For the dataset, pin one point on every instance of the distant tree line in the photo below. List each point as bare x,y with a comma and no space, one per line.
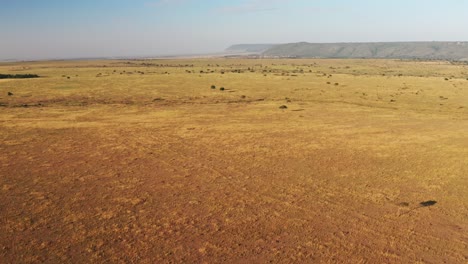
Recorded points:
18,76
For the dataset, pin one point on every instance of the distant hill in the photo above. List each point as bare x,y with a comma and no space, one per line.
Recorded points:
391,50
249,48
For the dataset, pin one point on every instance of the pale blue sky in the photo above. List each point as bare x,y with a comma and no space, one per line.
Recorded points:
38,29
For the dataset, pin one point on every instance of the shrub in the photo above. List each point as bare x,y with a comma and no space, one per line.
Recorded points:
283,107
213,86
18,76
222,89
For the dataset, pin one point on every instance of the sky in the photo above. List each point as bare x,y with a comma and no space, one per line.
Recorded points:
57,29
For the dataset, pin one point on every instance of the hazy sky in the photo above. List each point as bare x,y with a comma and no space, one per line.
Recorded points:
35,29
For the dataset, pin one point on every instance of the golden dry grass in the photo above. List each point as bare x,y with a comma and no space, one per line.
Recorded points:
115,165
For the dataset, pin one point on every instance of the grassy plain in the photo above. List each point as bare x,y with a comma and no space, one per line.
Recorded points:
142,162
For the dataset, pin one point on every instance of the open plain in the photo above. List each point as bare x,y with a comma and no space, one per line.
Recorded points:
294,161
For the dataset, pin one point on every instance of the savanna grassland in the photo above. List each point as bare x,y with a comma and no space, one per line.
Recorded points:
142,161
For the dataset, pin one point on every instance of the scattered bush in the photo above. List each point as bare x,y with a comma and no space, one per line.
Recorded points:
213,86
222,89
283,107
10,93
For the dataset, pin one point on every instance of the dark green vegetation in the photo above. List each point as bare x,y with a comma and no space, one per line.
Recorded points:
18,76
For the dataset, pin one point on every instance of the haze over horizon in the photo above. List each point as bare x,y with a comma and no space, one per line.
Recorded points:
53,29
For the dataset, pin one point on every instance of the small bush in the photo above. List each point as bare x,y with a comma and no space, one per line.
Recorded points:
222,89
283,107
213,86
10,93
